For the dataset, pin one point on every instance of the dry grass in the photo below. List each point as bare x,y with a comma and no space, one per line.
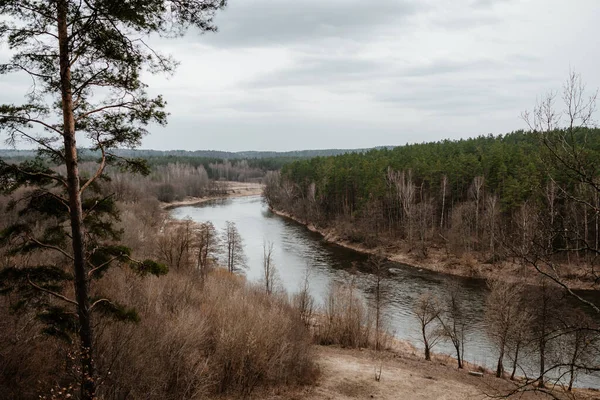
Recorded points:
30,364
228,337
346,321
195,339
193,342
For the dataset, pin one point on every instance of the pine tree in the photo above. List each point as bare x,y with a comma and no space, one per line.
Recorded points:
85,59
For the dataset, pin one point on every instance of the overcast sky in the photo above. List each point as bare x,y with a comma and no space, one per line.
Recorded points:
305,74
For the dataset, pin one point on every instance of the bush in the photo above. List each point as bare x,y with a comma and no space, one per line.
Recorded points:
192,342
228,338
346,321
29,364
166,193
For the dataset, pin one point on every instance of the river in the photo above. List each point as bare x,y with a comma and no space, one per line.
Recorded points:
296,248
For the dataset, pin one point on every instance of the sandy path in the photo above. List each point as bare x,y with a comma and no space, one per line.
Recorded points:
350,374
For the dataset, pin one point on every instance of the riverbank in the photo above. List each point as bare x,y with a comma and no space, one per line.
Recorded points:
295,245
350,374
439,260
227,190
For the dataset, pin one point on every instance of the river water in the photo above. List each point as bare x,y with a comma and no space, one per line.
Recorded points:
296,249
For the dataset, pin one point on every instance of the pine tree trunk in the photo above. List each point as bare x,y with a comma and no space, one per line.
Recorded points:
88,386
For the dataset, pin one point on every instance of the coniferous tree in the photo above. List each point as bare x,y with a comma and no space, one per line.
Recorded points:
85,59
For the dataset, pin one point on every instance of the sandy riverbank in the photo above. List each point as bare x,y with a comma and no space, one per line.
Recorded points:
350,374
439,260
229,190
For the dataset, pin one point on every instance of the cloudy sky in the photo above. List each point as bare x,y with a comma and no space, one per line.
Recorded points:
305,74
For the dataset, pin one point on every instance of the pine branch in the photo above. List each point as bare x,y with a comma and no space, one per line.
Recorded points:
555,278
50,292
50,247
126,105
99,171
44,175
41,142
104,264
30,120
98,302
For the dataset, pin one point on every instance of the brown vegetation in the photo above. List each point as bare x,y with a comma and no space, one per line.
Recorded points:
190,343
193,342
201,332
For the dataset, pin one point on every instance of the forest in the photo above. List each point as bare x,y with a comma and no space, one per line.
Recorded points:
497,197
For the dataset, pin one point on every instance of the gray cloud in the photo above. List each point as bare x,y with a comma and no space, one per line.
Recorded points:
326,70
284,75
284,22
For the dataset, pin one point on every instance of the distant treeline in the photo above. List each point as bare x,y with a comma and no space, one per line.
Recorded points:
219,165
471,194
200,154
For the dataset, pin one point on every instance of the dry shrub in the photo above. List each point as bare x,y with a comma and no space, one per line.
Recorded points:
304,304
29,363
346,321
194,343
140,222
256,338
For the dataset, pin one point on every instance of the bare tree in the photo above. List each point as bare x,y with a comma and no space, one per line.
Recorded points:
563,136
571,194
377,266
460,236
579,342
235,257
402,182
520,337
476,192
502,315
346,322
444,188
551,194
545,306
492,210
269,270
453,321
174,243
423,216
207,241
303,300
427,309
528,228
